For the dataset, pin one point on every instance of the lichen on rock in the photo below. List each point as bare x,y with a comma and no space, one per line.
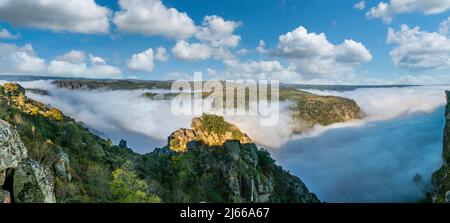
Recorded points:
12,150
33,183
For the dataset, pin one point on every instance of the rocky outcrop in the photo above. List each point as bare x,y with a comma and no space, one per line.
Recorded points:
13,94
62,165
33,183
227,169
22,179
211,130
441,178
12,152
123,144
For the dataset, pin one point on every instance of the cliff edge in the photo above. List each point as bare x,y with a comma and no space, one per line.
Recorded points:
441,178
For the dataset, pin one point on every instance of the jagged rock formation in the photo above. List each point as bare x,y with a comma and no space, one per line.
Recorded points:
31,181
234,169
14,95
12,152
12,149
211,130
123,144
441,178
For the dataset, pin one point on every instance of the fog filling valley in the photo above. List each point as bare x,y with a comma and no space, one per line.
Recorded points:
370,160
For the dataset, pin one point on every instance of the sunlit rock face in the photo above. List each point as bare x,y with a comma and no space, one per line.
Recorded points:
211,130
224,158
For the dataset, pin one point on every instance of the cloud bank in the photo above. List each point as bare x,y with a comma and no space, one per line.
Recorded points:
149,122
375,159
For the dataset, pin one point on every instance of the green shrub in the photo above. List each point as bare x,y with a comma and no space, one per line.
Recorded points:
126,187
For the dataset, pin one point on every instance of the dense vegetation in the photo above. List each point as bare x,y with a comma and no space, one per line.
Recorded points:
218,125
310,109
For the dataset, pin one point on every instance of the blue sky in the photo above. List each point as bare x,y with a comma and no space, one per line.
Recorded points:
370,60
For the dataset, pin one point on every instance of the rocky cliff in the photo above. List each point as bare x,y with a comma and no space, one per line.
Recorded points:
441,178
211,130
21,178
229,162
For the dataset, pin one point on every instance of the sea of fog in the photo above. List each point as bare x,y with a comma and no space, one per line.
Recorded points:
370,160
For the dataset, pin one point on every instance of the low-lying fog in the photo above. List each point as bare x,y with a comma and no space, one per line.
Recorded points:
371,160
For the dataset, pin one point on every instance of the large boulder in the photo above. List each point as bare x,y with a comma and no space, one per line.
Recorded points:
12,153
30,181
33,183
12,150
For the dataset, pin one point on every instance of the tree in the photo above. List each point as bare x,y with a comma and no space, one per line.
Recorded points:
126,187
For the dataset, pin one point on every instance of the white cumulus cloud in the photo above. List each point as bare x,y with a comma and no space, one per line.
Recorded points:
142,61
261,48
75,64
161,54
360,5
387,11
77,16
218,33
73,56
444,27
152,18
214,39
419,50
20,60
191,52
313,55
262,69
